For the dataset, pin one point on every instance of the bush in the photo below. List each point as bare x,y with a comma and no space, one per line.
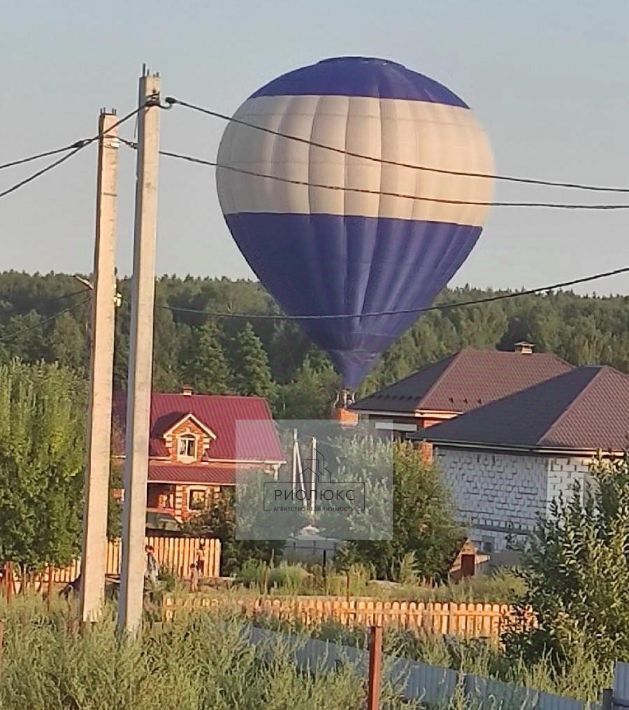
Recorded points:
577,575
425,536
288,578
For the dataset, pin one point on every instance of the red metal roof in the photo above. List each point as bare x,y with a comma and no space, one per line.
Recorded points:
585,409
464,381
207,475
244,426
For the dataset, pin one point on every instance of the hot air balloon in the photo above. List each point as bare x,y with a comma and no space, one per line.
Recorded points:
334,236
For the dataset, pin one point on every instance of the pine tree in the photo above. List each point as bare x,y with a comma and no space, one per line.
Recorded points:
251,365
165,348
205,366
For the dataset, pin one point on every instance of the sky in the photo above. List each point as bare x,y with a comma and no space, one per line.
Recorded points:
548,80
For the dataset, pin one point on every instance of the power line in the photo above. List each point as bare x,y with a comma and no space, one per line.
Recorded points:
45,154
413,166
63,296
440,307
384,193
44,321
80,145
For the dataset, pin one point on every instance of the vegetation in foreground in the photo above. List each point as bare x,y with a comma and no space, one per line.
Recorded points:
576,572
204,660
581,678
199,662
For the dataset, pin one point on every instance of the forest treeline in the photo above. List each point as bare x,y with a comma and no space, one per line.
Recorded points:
46,317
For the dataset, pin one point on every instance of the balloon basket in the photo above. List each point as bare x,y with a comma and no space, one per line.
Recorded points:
344,416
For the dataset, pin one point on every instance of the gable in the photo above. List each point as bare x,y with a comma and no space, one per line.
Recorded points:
193,424
220,414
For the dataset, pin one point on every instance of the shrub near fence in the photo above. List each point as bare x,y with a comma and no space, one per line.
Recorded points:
464,620
173,553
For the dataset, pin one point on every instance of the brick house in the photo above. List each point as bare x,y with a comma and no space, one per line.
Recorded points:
506,461
455,385
196,447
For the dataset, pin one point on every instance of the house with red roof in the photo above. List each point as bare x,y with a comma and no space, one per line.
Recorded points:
197,444
505,462
455,385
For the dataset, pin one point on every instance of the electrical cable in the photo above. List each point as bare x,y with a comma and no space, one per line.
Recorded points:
401,195
63,296
80,146
439,307
43,321
45,154
170,100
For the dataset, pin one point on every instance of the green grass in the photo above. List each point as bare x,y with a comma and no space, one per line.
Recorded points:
501,587
203,660
200,661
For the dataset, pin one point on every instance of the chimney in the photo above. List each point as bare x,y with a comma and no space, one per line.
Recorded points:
186,390
524,347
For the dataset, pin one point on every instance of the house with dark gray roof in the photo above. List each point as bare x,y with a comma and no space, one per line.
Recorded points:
505,462
455,385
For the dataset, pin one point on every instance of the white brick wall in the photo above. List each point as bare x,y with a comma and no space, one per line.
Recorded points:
501,495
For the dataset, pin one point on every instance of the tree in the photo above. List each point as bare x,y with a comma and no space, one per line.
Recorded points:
252,375
577,574
24,337
165,348
423,522
580,329
205,366
42,428
311,393
67,343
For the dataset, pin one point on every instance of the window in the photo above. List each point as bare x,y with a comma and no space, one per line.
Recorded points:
187,447
196,499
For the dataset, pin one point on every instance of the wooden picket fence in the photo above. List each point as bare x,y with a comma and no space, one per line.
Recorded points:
465,620
175,554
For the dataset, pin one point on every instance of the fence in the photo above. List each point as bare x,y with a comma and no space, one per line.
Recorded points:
432,686
466,620
173,553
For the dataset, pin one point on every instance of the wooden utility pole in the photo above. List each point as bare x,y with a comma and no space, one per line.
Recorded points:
140,359
93,559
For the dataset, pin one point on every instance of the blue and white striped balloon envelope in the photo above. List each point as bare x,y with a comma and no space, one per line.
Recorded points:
341,235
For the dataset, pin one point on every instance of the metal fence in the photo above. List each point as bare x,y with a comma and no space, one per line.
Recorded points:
417,682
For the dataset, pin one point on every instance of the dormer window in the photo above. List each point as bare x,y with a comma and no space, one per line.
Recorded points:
187,447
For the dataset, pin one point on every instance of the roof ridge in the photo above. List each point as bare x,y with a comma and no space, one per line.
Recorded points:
434,385
204,394
600,369
560,359
410,375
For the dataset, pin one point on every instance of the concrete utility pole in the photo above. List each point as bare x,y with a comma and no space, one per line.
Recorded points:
140,360
93,564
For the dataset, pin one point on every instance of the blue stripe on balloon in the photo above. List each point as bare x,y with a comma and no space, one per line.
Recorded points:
360,76
331,264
